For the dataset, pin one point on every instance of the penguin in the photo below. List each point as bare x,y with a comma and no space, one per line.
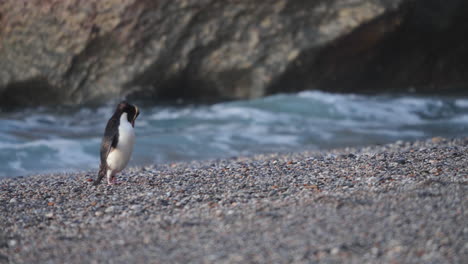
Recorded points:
117,143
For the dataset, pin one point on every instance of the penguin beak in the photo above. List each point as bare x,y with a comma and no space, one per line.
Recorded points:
137,112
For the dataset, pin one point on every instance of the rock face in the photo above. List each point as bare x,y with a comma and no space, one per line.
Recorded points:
420,47
72,51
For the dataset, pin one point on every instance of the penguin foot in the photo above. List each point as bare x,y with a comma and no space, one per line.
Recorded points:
113,181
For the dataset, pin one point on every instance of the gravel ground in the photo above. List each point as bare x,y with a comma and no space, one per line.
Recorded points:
399,203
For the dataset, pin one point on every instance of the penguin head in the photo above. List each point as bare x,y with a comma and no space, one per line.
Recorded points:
131,111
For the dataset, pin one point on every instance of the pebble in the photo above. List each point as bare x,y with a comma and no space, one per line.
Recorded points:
401,161
110,209
12,242
49,215
136,207
335,251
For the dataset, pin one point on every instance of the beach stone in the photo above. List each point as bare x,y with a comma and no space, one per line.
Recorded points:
49,215
110,209
401,161
335,251
136,207
12,243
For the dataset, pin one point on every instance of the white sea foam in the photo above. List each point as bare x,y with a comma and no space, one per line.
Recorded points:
58,153
17,166
461,103
462,120
169,114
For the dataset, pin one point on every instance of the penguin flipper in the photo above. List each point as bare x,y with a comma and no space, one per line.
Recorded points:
105,150
110,139
109,142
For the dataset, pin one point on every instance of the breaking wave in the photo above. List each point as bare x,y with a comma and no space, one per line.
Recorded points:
56,140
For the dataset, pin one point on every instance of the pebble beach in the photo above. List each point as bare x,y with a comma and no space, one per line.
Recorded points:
404,202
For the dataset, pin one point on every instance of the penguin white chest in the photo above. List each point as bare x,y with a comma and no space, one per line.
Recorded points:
118,158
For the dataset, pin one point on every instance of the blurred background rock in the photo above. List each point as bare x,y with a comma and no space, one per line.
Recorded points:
75,51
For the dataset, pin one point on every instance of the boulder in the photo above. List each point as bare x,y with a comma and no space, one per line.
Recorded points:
421,47
73,52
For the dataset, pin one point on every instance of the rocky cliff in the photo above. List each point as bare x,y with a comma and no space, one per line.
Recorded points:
77,51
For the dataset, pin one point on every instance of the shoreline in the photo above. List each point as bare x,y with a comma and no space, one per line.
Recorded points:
403,202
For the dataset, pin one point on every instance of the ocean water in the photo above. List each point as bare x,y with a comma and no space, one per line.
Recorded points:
47,140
